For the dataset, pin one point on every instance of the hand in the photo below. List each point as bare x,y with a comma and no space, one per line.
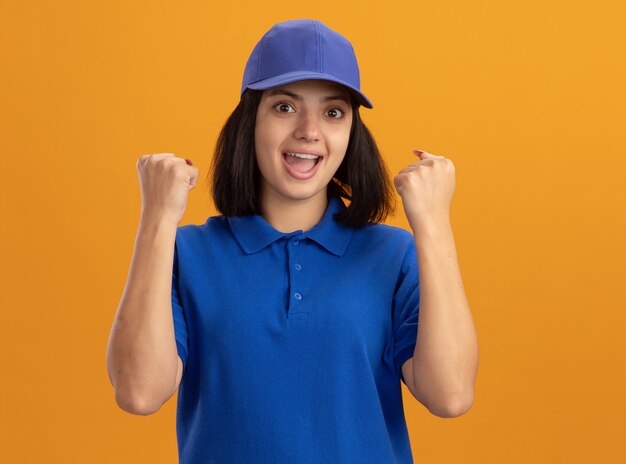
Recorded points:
165,182
426,188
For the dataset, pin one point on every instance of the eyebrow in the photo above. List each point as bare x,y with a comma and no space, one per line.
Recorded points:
299,97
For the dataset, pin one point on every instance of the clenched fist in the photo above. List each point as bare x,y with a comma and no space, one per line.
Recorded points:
426,188
165,183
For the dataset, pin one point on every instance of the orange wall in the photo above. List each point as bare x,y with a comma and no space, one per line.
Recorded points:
527,99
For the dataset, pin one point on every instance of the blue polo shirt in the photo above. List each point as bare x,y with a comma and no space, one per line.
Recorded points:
292,343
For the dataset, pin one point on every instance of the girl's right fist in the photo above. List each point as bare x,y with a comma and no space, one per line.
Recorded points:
165,181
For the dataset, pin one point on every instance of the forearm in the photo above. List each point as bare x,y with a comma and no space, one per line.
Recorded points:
142,355
445,360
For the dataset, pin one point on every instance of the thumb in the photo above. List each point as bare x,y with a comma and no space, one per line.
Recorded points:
425,155
421,153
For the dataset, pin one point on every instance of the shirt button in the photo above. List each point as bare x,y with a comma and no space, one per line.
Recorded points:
297,296
298,267
295,242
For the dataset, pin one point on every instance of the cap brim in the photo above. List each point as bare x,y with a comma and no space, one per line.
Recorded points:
300,76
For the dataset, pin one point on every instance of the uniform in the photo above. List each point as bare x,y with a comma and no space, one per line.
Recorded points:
292,343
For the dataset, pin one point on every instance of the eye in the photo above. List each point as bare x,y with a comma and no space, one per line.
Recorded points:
283,104
343,113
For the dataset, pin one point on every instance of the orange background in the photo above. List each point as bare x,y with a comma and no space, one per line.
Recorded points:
526,98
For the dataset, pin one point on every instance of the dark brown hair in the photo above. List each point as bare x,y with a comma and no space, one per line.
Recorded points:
361,178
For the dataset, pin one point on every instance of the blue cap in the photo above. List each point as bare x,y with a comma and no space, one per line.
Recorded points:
303,49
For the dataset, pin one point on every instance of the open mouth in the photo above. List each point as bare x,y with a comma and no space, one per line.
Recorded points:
301,162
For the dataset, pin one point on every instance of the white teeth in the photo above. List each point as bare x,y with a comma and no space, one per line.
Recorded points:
303,155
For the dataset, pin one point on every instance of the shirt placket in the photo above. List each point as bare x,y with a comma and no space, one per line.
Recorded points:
297,296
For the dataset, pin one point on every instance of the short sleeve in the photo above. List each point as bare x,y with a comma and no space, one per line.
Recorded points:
406,302
180,325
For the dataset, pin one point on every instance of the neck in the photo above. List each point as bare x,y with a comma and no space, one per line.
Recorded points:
287,215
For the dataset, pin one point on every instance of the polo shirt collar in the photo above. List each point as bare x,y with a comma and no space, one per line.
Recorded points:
329,233
253,233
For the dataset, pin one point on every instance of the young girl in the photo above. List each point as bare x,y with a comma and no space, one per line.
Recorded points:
288,322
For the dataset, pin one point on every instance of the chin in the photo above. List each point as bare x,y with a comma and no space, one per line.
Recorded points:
300,193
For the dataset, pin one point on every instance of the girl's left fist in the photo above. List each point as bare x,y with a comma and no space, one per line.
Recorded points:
426,188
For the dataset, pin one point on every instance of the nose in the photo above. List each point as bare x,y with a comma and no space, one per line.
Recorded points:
307,127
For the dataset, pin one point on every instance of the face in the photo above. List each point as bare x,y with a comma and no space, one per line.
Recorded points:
301,136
